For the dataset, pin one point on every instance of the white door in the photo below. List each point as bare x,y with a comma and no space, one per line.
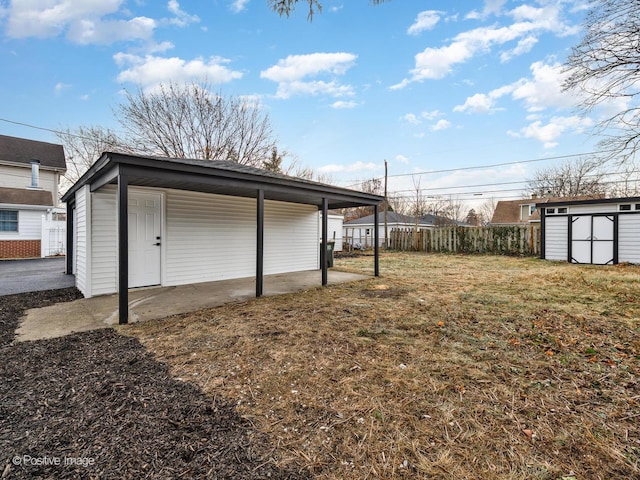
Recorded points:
592,239
144,239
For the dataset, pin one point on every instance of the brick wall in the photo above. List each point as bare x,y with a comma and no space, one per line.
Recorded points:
19,248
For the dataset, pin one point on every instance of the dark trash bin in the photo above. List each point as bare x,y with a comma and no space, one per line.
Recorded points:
330,245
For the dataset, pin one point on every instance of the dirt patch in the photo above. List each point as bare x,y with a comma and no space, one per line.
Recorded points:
473,367
97,405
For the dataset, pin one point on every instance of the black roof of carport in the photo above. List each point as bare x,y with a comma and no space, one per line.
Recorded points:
216,176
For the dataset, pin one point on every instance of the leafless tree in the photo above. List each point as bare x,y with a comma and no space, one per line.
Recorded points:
287,7
188,121
627,183
604,67
571,178
486,211
398,204
84,145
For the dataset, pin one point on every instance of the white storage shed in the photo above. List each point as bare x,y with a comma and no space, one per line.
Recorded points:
141,221
596,231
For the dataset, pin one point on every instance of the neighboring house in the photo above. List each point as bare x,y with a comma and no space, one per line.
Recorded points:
595,231
30,173
524,211
360,232
139,221
334,226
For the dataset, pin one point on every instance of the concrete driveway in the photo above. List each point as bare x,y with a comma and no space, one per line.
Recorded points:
34,275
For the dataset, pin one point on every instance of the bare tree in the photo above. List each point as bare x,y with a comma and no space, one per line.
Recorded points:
604,67
188,121
84,145
286,7
627,184
486,211
569,179
398,204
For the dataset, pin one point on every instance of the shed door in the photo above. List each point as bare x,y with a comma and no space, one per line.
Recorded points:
592,238
144,239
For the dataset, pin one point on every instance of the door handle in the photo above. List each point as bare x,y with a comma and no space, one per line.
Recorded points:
157,244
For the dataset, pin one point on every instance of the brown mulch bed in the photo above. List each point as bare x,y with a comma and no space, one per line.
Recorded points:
99,399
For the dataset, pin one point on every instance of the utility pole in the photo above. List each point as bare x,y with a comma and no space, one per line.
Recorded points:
386,207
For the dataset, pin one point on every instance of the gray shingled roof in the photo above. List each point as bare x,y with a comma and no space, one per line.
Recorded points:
22,150
392,217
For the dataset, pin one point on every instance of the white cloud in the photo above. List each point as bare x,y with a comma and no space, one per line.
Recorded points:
524,46
341,104
549,133
491,7
150,71
291,72
352,168
541,91
59,87
432,115
438,62
84,97
182,18
411,118
103,32
401,159
483,103
441,124
544,89
424,21
238,6
82,20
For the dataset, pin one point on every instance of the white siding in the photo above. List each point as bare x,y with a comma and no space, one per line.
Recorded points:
556,238
629,238
83,241
104,241
290,237
29,225
334,225
208,237
594,208
20,177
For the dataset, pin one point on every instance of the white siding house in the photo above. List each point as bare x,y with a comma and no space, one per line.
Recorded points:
360,232
139,221
597,231
29,175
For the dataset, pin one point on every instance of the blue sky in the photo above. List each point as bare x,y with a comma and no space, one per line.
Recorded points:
427,85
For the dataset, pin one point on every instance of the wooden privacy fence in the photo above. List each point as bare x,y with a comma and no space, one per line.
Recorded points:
503,240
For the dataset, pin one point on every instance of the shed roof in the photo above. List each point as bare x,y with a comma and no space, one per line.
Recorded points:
22,196
216,176
592,201
22,151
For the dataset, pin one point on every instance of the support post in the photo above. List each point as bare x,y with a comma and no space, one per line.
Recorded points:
376,242
325,234
260,243
123,249
70,250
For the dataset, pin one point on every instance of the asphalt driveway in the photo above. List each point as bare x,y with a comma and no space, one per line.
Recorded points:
20,276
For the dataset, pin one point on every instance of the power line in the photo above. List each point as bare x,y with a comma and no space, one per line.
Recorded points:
478,167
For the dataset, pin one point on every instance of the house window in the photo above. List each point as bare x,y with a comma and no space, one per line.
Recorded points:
625,208
562,210
8,220
550,210
637,206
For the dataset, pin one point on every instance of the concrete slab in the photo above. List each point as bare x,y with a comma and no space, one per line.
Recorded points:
152,303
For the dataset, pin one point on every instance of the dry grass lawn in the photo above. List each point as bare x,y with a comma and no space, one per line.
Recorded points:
465,367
